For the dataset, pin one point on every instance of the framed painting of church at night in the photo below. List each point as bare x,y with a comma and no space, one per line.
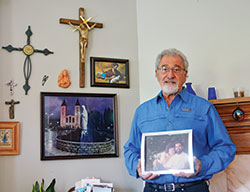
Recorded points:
78,125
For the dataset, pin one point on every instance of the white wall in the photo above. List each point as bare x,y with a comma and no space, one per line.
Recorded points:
213,34
117,39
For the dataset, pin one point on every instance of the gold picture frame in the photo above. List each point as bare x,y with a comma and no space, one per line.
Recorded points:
9,138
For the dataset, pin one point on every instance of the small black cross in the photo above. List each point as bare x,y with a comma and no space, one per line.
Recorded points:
28,50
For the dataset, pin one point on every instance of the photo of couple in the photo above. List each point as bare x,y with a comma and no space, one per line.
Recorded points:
167,152
172,158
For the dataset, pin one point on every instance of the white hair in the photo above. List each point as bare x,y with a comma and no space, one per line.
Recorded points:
171,52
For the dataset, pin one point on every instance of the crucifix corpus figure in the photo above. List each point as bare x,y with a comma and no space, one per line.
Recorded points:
84,29
11,108
83,26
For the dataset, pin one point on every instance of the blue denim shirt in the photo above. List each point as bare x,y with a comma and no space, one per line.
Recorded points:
211,142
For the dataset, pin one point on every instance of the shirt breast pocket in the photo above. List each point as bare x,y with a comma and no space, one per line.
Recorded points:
153,124
190,121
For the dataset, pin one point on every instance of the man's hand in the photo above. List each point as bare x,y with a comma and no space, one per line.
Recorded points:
148,176
197,168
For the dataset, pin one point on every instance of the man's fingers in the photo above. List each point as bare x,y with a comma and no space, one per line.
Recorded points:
153,176
198,165
147,176
139,168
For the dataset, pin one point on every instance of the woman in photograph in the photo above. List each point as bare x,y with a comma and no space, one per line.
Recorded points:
164,157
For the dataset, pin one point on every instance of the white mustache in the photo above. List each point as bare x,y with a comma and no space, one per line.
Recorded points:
166,80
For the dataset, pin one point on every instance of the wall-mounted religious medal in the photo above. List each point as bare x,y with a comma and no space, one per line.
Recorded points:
238,114
45,78
11,84
28,50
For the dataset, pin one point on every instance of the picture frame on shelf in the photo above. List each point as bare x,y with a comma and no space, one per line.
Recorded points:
9,138
167,152
78,125
109,72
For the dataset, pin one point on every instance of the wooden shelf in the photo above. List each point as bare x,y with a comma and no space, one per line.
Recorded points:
230,100
239,131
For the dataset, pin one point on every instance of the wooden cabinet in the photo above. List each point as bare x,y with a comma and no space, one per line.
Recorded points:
239,131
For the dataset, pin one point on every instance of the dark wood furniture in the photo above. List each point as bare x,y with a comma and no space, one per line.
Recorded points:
239,131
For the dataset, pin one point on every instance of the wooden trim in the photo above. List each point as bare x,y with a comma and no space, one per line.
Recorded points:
239,131
230,100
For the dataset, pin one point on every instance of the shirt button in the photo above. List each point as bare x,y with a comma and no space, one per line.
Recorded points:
169,122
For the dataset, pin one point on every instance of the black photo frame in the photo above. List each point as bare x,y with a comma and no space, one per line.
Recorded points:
109,72
78,125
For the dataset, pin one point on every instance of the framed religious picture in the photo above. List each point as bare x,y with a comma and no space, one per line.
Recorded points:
9,138
167,152
78,125
108,72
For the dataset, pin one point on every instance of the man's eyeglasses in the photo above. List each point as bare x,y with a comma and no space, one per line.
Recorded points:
176,70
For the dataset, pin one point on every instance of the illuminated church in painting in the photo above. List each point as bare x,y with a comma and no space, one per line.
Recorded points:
71,120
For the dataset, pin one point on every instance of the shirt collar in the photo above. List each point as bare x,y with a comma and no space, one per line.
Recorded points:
159,96
182,95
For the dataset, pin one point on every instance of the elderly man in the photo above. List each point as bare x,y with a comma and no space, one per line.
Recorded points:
176,109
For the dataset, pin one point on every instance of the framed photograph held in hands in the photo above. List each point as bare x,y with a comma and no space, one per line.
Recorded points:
167,152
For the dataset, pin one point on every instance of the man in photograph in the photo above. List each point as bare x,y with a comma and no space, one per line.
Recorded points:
180,159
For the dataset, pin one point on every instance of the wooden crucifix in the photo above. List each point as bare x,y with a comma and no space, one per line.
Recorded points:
11,108
83,26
